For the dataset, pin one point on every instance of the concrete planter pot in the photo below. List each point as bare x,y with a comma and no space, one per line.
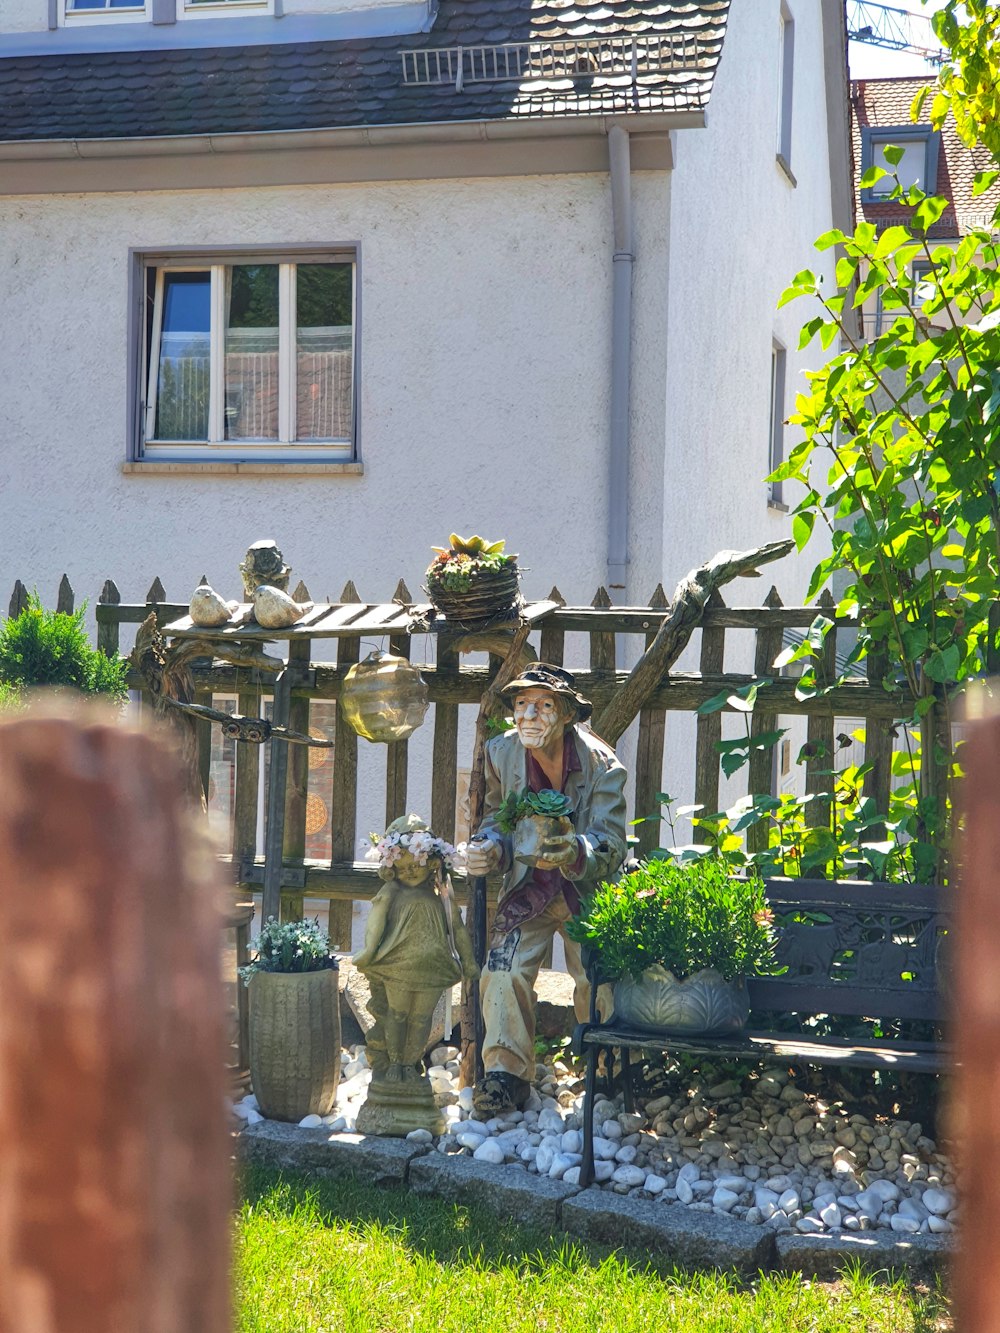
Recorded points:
702,1003
294,1042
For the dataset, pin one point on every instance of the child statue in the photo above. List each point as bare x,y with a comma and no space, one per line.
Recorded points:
416,946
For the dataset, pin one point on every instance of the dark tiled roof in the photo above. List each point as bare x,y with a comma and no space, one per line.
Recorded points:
355,83
876,102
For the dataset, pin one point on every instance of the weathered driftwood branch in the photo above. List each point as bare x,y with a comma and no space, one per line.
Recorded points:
166,674
682,618
115,1176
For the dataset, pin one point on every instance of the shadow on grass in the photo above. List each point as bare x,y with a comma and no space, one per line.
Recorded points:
468,1236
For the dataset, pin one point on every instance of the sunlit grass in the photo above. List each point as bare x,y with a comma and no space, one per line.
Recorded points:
339,1256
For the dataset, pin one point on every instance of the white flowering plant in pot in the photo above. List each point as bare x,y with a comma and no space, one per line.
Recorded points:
290,946
294,1027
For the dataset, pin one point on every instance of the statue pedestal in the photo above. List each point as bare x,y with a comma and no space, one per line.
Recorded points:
395,1109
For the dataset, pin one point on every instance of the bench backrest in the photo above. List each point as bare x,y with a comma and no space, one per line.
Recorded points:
851,947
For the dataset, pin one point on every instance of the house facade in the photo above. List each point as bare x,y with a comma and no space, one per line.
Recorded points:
353,277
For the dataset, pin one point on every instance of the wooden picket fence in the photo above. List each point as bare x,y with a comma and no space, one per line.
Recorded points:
453,686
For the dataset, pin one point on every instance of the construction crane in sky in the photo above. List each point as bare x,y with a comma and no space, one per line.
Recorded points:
895,29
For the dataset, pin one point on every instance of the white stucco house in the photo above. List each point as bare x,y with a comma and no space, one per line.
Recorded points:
356,273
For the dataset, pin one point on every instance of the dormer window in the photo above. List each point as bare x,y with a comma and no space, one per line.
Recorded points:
159,11
132,7
918,165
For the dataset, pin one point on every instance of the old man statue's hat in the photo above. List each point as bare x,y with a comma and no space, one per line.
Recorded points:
542,676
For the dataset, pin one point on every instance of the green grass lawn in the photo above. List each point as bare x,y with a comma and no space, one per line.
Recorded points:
339,1256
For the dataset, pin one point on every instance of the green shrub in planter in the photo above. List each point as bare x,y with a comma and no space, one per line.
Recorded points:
686,917
51,648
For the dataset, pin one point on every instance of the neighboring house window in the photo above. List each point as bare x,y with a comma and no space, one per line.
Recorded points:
187,8
777,424
786,70
918,165
248,357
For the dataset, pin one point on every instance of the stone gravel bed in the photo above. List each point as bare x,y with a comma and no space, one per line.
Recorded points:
761,1152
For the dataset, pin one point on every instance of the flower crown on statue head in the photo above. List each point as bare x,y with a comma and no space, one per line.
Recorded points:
388,847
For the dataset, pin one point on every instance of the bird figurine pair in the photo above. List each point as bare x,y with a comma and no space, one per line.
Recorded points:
272,608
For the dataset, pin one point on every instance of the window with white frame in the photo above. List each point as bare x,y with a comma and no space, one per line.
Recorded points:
114,8
776,447
248,357
161,11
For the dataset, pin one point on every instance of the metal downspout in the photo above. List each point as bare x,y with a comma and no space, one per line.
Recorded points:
621,354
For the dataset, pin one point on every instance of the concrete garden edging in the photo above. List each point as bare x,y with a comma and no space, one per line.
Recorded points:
671,1232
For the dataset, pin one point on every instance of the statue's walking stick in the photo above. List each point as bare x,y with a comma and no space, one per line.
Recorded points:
472,1055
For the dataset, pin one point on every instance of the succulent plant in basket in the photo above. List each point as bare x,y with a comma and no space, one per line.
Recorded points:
473,581
532,817
294,1020
681,938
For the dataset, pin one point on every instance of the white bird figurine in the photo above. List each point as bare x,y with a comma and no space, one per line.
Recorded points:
274,609
208,609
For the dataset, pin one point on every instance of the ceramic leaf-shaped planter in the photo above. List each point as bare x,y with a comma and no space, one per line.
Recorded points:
704,1002
294,1042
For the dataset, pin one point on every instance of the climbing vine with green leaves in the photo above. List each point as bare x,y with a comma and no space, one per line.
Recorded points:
899,461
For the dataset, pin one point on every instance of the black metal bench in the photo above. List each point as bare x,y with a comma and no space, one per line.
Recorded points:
852,949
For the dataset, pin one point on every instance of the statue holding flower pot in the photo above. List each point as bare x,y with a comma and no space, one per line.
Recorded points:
553,767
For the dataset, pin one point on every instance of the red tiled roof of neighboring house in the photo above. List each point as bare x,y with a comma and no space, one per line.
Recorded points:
881,102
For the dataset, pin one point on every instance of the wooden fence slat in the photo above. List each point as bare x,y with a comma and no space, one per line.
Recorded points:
18,600
878,747
108,630
602,643
552,642
245,797
344,803
445,762
297,782
65,597
397,752
820,728
116,1215
760,780
709,728
649,755
156,592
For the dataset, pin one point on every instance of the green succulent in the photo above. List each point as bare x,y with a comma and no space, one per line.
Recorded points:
522,804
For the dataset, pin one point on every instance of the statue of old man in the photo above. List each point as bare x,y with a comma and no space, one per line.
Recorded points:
551,749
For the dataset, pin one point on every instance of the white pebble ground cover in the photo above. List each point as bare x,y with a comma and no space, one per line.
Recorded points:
763,1150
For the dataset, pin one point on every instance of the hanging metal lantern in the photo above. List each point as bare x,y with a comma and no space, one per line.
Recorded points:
384,698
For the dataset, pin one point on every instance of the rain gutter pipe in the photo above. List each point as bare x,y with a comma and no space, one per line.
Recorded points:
619,159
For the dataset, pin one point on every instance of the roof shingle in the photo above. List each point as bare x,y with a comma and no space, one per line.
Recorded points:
326,85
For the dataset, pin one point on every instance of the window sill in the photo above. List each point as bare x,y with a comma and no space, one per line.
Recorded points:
778,506
192,468
785,169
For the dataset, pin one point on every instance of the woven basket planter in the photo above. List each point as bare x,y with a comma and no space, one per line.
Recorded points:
492,595
294,1042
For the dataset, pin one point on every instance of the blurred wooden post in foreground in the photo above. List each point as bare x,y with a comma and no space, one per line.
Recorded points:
114,1176
976,1022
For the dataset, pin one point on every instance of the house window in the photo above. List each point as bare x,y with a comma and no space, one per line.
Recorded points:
786,69
918,165
248,357
129,8
208,8
777,419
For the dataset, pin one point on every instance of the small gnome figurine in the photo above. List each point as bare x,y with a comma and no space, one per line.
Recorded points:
416,945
